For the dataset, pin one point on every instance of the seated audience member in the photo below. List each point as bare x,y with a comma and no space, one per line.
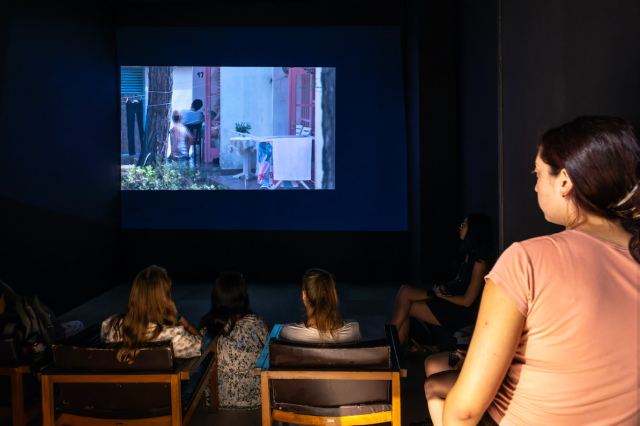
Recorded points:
151,317
453,305
556,340
323,323
243,334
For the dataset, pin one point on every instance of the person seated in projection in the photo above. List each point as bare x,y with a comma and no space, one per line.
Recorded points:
181,139
243,334
454,305
215,130
556,341
192,119
151,317
323,323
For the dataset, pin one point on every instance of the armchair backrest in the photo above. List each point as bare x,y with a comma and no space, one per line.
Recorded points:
107,398
363,356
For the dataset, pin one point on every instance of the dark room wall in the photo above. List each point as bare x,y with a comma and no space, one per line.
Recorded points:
440,202
59,191
561,59
477,95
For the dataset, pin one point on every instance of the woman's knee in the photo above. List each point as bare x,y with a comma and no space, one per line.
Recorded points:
411,293
436,363
430,388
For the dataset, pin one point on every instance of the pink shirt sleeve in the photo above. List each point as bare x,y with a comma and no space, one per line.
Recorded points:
512,273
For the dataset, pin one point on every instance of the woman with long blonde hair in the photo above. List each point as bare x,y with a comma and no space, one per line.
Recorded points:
323,323
151,317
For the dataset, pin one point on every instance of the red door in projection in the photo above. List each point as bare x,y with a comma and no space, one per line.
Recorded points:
302,103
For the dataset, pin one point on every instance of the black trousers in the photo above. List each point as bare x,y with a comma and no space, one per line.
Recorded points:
134,113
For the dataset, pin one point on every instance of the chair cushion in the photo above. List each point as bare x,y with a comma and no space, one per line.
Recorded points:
370,355
345,410
328,393
156,356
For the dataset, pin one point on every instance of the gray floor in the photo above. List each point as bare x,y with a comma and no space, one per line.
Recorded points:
371,306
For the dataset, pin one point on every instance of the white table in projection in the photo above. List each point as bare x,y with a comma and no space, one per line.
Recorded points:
291,157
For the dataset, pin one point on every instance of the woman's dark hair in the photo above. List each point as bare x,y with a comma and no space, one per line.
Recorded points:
479,237
601,156
196,104
229,304
176,116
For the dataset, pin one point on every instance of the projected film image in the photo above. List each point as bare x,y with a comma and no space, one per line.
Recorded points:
227,128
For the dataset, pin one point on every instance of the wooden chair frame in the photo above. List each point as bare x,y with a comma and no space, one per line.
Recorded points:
397,370
183,371
17,411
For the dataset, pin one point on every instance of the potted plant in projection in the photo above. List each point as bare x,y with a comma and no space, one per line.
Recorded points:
243,127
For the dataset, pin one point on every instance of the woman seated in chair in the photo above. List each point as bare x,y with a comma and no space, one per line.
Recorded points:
454,305
323,323
557,343
151,317
243,334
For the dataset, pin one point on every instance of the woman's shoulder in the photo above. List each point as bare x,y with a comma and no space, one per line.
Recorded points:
350,323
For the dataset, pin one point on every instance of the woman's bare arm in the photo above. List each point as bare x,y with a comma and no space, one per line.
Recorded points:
475,286
494,343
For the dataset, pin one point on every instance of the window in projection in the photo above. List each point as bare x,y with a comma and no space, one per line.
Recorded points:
227,128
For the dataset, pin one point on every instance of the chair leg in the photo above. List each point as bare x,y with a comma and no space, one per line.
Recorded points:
265,397
395,400
176,401
213,384
17,398
48,417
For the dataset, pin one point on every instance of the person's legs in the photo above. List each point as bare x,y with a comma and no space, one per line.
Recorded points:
131,117
437,363
402,306
436,389
143,142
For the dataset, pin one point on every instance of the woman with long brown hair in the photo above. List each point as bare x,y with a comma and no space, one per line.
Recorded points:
323,323
151,317
556,338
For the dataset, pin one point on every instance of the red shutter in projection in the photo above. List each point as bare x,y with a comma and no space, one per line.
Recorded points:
302,99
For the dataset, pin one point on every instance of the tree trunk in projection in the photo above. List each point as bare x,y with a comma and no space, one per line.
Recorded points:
159,104
328,78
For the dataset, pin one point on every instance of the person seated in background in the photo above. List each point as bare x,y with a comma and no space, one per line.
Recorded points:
243,334
556,341
454,305
151,317
181,139
215,130
323,323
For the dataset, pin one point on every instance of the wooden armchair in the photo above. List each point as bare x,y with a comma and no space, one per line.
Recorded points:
346,384
13,365
96,389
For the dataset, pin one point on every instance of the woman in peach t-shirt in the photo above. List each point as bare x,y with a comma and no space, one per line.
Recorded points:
556,342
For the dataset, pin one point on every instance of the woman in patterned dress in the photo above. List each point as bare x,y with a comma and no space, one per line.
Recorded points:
151,317
243,334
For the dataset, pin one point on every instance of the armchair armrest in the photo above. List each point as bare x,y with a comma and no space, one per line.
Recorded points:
397,355
189,365
263,360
